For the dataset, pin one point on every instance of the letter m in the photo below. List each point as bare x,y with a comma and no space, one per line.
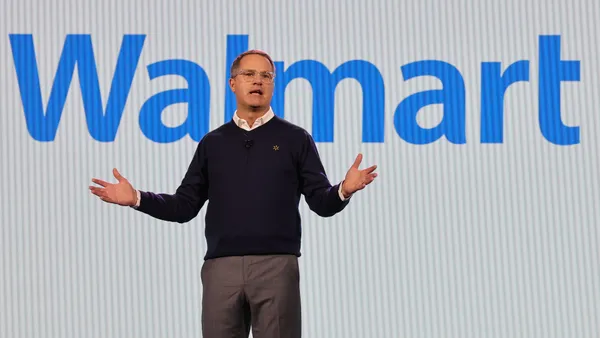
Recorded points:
77,50
324,84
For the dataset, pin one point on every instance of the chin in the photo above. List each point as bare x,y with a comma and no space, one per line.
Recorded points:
257,109
257,105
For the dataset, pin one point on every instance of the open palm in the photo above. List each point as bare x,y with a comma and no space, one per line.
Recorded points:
357,179
121,193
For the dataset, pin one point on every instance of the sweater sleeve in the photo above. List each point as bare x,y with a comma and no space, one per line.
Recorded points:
322,198
189,197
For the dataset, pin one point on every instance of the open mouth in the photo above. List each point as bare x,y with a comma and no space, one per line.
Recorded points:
256,92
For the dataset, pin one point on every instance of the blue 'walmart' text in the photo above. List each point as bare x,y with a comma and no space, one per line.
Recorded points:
103,123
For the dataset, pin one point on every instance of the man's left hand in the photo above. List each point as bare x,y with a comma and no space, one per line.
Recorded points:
357,179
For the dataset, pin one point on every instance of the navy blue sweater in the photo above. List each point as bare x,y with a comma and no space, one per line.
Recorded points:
252,181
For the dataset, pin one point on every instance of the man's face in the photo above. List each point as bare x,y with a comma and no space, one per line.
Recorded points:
253,84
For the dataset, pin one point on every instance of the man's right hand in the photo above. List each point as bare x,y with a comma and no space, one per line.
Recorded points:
121,193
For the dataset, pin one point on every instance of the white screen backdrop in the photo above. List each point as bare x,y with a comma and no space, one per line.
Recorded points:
454,239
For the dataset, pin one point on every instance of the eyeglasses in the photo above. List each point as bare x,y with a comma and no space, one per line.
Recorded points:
249,75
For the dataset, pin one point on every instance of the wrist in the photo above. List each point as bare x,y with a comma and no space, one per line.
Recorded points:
136,198
345,192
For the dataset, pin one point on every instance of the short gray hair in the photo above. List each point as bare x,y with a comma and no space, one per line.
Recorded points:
236,63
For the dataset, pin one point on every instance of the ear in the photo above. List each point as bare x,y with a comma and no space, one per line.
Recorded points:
232,85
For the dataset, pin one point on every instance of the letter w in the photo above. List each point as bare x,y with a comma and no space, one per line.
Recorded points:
77,50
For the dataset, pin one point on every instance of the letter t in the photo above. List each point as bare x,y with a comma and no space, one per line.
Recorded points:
552,71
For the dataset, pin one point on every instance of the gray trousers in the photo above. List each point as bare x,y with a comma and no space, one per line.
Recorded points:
258,292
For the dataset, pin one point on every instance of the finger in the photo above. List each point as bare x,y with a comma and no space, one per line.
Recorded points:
106,199
365,176
102,195
357,161
118,175
97,191
100,182
370,169
369,179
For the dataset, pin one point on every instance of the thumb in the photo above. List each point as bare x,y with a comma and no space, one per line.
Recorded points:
357,161
118,175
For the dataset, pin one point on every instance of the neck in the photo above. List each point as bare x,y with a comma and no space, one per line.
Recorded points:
250,114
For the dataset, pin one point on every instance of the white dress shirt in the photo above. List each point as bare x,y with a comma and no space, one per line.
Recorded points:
259,121
244,125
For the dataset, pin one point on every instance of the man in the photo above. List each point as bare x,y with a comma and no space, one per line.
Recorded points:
252,171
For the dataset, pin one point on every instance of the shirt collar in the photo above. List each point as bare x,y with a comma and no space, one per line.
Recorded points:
259,121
